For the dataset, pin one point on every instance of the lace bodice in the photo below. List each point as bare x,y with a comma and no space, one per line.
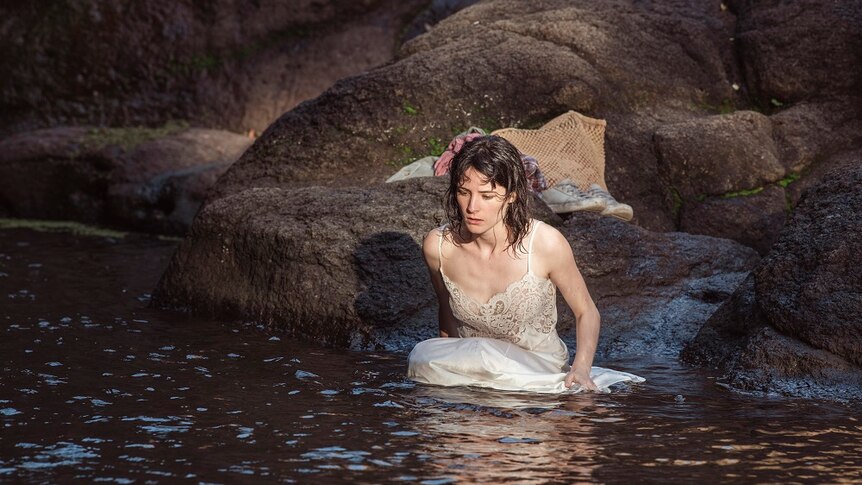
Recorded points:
525,313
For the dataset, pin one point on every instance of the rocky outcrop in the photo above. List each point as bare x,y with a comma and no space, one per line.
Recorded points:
738,175
510,63
659,73
795,51
795,326
797,64
652,71
648,69
141,179
345,267
234,65
718,167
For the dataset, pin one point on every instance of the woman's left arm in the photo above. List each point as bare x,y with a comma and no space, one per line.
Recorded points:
563,272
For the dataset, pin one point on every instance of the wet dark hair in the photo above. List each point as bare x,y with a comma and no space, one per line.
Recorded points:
500,163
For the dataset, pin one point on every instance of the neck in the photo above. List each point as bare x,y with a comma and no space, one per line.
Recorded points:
490,242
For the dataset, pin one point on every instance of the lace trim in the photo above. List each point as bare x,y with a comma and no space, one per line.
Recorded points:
529,302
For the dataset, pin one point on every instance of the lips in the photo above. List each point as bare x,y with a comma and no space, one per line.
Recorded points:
471,220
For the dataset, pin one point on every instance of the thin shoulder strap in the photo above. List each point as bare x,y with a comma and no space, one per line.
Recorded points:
440,246
530,245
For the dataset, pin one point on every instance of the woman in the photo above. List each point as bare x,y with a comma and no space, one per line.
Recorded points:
495,272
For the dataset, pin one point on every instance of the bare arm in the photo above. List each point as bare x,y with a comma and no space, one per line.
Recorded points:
448,327
564,273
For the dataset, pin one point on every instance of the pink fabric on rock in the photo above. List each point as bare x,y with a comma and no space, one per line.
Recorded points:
535,177
441,167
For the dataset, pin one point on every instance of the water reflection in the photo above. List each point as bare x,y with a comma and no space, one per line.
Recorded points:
496,436
95,386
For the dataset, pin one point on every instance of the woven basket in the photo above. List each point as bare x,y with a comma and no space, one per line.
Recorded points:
570,146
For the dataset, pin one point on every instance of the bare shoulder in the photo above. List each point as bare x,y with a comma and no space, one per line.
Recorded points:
549,241
551,250
431,245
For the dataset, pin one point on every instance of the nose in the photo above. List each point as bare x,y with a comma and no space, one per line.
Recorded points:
471,205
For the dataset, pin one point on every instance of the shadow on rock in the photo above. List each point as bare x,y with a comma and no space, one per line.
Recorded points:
392,275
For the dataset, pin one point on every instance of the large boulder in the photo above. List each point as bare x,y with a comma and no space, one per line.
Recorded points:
718,154
808,133
345,267
794,51
141,179
224,64
795,326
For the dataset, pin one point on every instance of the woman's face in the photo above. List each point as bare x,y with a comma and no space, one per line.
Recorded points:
482,204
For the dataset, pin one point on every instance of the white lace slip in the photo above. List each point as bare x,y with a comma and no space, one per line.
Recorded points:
515,345
525,313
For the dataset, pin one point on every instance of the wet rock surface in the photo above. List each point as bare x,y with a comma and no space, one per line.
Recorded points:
794,326
654,290
150,180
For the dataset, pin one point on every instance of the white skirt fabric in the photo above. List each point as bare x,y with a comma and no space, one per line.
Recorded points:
497,364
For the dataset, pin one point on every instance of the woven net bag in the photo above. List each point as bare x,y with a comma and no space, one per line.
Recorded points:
570,146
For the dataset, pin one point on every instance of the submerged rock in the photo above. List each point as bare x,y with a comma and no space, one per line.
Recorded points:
795,326
141,179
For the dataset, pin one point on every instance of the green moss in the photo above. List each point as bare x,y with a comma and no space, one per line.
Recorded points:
208,61
789,179
408,156
60,226
489,123
437,146
162,237
742,193
129,138
788,205
409,108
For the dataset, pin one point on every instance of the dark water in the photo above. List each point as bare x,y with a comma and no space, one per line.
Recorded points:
96,387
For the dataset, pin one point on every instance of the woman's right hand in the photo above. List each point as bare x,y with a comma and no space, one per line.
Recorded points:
581,377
